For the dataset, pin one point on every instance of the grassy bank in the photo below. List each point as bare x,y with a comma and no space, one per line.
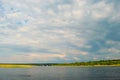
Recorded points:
93,63
14,66
82,64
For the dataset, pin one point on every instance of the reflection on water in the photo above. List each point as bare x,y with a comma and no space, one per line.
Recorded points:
24,75
61,73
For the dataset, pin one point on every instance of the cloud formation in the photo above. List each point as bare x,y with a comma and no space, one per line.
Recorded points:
59,30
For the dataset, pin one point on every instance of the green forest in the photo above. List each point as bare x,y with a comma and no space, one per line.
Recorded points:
93,63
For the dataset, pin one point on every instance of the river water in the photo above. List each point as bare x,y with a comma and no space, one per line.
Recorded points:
60,73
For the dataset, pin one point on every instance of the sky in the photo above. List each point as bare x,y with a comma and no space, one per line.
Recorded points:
57,31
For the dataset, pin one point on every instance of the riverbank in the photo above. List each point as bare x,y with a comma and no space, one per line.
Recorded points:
30,66
81,64
15,66
89,65
92,63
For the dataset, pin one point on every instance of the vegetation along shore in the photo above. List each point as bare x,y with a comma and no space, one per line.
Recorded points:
93,63
84,64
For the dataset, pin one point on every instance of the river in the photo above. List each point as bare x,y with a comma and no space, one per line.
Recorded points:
60,73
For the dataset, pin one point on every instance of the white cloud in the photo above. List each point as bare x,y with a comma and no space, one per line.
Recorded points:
102,10
56,25
76,58
110,51
33,57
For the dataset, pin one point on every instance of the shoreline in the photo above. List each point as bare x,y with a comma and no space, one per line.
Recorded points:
31,66
89,66
100,63
15,66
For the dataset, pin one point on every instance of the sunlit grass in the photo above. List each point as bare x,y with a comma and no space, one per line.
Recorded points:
15,66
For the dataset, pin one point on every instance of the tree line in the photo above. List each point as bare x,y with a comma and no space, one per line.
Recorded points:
92,63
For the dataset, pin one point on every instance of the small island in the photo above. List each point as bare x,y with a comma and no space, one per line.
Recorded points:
82,64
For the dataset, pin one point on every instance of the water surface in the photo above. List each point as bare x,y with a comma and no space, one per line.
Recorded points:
60,73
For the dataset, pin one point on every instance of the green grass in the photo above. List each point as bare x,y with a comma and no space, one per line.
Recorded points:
15,66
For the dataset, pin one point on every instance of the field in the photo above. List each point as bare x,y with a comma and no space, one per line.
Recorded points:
15,66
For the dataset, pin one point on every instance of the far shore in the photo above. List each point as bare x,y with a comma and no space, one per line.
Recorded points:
15,66
30,65
88,65
104,63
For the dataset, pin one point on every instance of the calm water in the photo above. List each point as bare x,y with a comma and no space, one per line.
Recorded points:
61,73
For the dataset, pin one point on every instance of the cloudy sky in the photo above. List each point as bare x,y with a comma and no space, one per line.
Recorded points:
59,30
